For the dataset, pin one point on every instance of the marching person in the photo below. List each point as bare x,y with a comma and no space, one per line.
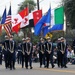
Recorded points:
12,54
41,46
23,48
63,40
19,54
49,52
61,53
5,51
28,53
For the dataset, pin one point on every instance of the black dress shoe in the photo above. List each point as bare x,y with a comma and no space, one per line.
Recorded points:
65,67
22,67
53,66
31,67
26,67
10,68
61,66
58,66
47,66
14,68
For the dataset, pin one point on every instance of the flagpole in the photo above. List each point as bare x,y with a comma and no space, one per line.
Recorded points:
26,35
41,33
29,33
50,19
38,4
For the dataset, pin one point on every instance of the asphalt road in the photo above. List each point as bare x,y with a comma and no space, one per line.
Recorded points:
38,71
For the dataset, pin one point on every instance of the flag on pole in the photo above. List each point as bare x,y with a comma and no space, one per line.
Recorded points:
3,17
25,20
31,21
3,20
8,25
36,16
47,24
44,20
18,19
57,19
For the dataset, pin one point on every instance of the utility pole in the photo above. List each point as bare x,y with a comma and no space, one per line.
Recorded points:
38,4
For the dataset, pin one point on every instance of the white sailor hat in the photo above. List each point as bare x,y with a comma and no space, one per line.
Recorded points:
41,39
62,38
27,38
59,39
6,36
23,39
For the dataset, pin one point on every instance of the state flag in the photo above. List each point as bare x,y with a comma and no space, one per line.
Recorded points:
36,16
18,19
44,20
3,20
25,20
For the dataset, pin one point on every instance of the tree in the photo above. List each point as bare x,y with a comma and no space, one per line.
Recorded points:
2,35
24,4
0,18
69,6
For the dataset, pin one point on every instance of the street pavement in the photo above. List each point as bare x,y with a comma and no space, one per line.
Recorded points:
38,71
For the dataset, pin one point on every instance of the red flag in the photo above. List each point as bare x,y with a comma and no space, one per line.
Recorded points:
0,29
25,20
16,28
36,16
17,19
24,12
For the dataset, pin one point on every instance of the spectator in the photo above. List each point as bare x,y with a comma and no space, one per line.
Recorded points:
70,53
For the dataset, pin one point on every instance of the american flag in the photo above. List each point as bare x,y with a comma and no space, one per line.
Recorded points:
8,25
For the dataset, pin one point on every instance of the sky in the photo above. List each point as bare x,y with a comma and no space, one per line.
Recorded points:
44,5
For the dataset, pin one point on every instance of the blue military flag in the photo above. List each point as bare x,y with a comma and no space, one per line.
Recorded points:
3,17
3,20
44,20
